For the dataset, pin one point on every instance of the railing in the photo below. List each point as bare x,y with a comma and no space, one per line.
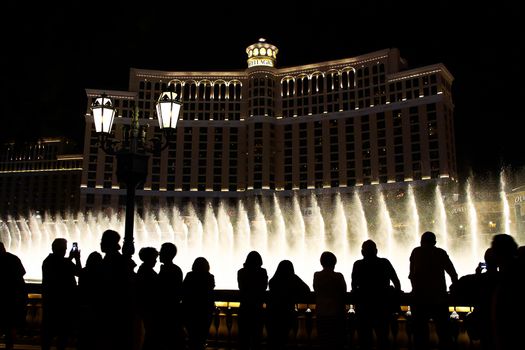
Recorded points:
224,328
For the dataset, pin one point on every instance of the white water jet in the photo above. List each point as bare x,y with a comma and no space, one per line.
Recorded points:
359,219
278,242
298,228
505,204
259,229
385,227
243,230
211,228
179,229
473,221
339,227
414,230
316,237
225,228
165,228
195,231
440,214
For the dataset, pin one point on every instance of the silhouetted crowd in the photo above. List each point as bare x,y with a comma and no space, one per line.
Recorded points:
112,307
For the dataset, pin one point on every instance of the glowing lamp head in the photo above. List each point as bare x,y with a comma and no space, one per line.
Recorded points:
103,114
168,110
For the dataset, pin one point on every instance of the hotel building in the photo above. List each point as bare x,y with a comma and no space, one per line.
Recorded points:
325,127
40,177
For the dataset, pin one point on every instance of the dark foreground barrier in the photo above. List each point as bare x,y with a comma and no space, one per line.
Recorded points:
224,329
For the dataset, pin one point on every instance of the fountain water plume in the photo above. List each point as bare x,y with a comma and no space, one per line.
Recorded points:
195,231
259,229
225,226
505,204
339,227
413,216
316,235
179,229
358,217
211,228
298,228
473,221
243,230
278,228
440,215
297,237
385,229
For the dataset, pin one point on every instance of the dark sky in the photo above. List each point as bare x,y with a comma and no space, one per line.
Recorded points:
55,52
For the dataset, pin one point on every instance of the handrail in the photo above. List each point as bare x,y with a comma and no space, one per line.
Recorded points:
233,295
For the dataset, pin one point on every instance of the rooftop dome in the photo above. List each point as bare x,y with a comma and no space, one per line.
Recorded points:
261,54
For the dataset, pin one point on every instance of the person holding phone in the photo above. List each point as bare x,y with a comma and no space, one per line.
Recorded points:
59,288
478,289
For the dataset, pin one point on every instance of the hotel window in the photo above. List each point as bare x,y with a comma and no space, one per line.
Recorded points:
186,183
287,87
348,80
359,75
301,96
415,87
317,82
332,92
234,107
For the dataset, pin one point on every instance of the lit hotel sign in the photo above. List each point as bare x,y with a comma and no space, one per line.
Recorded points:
253,62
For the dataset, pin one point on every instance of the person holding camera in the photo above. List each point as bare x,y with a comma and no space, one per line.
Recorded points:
59,293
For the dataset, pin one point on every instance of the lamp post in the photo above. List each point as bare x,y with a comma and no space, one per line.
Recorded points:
134,151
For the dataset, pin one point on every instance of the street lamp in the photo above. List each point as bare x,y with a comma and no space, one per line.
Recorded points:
134,151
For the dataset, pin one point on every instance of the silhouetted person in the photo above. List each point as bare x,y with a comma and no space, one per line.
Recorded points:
478,289
285,290
59,294
198,303
252,280
371,284
170,296
13,295
89,284
147,297
487,280
485,284
119,318
428,265
89,278
330,291
521,256
508,303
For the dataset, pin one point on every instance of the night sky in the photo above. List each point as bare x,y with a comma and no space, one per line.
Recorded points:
55,52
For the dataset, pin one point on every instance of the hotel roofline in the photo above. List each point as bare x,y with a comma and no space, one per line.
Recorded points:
241,74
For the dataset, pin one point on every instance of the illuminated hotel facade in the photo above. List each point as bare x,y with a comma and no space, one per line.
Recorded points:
41,177
324,127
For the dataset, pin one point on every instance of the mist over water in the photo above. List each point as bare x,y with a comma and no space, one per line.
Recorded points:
298,228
